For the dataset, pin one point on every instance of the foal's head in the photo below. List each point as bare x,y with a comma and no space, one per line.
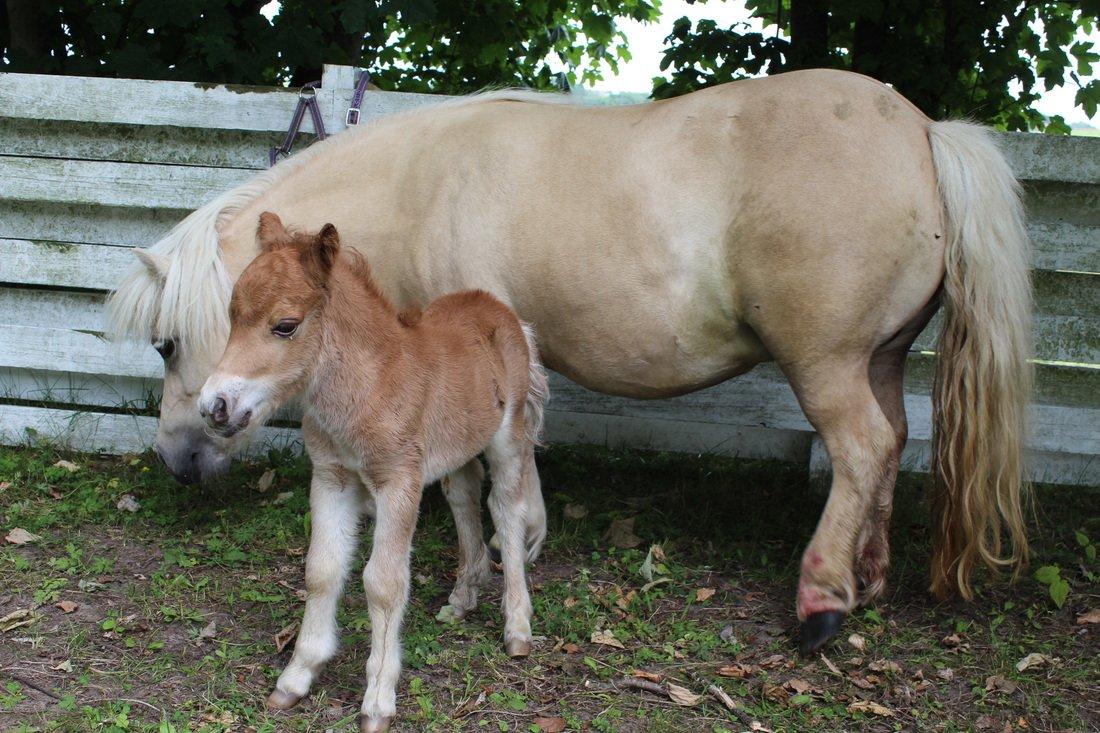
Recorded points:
274,336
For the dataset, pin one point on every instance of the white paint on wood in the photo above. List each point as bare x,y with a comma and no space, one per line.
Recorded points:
64,350
104,183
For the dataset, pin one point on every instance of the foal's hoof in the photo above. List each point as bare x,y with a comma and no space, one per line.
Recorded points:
818,629
517,648
374,723
279,700
495,558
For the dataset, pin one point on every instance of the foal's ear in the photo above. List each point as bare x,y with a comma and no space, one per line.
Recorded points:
270,231
320,257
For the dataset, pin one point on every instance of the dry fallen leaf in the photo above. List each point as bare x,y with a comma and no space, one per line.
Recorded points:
66,666
265,481
682,695
285,636
947,674
832,667
952,641
997,683
1033,660
776,693
737,671
550,725
606,638
20,536
798,686
18,618
5,485
773,661
703,594
1090,617
570,648
127,503
651,676
870,707
67,606
569,602
882,665
857,641
208,632
67,465
575,511
283,498
621,534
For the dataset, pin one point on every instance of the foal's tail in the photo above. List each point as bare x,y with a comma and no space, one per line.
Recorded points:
983,374
538,388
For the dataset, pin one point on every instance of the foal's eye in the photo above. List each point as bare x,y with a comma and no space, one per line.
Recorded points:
285,328
165,348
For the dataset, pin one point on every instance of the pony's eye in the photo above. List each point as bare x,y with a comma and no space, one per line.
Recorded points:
285,328
165,348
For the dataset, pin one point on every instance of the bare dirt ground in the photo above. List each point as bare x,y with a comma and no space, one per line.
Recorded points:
664,596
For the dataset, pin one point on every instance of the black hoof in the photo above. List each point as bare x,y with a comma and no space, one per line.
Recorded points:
494,555
818,629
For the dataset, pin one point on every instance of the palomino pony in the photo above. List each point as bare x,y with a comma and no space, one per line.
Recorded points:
814,218
396,401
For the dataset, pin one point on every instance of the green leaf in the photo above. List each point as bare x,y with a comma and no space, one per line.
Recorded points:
1059,591
1048,574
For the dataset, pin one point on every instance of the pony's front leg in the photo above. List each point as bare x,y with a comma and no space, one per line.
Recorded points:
463,491
334,503
386,582
508,506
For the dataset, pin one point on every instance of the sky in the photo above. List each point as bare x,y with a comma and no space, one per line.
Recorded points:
647,43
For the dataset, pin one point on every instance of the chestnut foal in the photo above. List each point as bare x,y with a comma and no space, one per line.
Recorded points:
391,402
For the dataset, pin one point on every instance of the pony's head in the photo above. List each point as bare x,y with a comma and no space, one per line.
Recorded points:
275,328
176,299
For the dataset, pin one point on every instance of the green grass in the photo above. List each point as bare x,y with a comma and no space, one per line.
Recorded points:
132,657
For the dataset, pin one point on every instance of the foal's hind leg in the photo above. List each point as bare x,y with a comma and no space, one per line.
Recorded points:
838,400
534,513
507,455
463,491
873,549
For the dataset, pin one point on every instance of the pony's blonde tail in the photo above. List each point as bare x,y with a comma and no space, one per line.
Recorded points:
983,374
538,388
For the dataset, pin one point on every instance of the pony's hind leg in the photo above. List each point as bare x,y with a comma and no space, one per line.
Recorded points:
838,400
463,491
534,514
386,582
335,504
886,373
507,455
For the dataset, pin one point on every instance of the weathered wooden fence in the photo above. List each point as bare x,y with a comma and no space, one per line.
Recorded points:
92,167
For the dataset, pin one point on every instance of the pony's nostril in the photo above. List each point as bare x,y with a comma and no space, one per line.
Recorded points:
219,411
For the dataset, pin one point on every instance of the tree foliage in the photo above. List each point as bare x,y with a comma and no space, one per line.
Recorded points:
983,59
413,45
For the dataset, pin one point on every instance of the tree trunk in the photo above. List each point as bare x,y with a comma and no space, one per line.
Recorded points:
809,35
29,22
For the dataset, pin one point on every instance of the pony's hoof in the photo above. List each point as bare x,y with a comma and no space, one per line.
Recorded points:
374,723
818,629
517,648
279,700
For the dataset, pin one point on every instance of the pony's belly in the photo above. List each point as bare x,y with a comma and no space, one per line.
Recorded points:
650,363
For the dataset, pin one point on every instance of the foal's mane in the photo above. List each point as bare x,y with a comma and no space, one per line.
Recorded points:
190,302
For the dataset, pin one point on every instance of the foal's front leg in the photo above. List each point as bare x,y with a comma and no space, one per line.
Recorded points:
386,582
334,503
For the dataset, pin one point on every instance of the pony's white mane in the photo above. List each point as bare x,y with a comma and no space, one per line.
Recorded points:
191,302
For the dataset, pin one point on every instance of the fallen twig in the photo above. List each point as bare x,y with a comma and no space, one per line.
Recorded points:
33,685
722,697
